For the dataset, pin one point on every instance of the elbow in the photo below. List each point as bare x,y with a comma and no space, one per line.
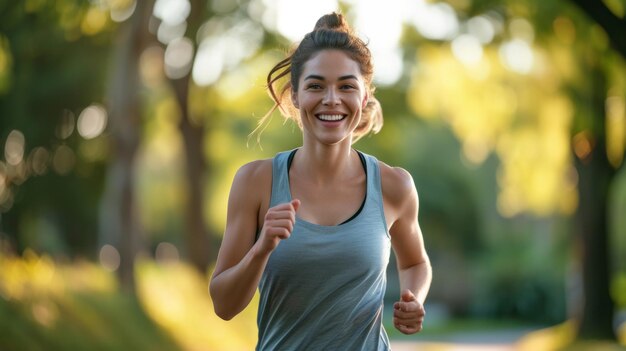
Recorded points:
222,311
218,306
222,314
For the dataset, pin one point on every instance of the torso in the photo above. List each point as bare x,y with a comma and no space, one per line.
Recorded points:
310,281
331,204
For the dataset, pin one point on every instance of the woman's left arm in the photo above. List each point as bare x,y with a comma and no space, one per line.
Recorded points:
415,273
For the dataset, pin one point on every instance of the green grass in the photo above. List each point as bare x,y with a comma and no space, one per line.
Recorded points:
49,306
80,321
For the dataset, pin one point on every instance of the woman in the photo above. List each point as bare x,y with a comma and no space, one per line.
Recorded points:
313,227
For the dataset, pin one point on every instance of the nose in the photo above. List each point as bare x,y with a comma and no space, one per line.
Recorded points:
331,97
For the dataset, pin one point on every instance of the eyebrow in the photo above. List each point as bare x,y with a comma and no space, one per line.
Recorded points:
346,77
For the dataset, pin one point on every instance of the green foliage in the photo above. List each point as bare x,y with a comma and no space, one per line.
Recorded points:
55,66
518,279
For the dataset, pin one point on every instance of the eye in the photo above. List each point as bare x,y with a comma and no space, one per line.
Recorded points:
347,87
313,86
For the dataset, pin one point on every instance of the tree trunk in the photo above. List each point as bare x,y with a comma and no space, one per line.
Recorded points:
196,235
119,217
595,176
192,131
613,25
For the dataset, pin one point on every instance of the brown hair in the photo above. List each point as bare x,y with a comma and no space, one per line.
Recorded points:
331,32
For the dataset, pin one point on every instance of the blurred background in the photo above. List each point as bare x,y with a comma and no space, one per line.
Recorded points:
123,122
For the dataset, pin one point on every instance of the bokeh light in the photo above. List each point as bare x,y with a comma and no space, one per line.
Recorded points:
38,160
14,148
121,10
167,33
109,257
615,129
178,58
583,144
172,12
517,56
94,21
65,128
482,28
166,252
92,121
467,49
223,47
63,159
436,21
279,16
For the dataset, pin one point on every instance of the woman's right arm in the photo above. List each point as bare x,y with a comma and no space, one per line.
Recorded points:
241,260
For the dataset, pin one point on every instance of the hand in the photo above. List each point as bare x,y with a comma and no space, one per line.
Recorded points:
408,313
278,225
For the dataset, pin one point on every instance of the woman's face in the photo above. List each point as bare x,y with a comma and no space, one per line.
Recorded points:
330,96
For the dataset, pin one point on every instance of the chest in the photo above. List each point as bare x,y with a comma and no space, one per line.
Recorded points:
349,251
329,204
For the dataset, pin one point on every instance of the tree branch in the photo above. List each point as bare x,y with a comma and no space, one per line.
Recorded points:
614,26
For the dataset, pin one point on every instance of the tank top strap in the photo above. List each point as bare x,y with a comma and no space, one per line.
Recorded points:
280,178
374,189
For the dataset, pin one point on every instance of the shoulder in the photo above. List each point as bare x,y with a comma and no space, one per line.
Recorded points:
251,188
396,181
252,174
397,186
255,169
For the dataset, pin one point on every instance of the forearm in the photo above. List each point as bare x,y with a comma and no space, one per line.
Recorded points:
233,289
416,278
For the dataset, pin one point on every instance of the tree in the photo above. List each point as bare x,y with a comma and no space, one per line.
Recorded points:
559,102
120,216
202,23
613,25
193,132
596,176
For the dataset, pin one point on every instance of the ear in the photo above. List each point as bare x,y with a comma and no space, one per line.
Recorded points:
365,99
294,98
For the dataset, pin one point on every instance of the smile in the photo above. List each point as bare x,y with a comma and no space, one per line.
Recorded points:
331,118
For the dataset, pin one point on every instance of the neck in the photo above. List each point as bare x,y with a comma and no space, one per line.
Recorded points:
325,163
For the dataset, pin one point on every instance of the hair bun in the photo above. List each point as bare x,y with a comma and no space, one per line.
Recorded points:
333,21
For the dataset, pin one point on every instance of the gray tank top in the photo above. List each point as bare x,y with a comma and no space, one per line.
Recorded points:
323,288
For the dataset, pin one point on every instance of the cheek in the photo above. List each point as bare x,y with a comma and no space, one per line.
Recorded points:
306,102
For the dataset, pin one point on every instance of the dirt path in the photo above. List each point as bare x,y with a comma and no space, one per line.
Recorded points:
502,340
445,346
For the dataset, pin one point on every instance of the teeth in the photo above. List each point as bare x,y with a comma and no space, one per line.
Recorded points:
330,117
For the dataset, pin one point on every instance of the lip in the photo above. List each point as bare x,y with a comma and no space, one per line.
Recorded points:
331,113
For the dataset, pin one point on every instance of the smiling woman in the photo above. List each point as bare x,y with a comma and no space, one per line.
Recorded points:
331,45
330,91
313,227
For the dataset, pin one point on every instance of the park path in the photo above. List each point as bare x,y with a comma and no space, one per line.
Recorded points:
449,346
502,340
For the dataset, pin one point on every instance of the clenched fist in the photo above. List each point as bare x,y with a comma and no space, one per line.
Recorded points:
408,313
278,225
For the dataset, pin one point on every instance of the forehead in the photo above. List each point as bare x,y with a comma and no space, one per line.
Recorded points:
331,63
